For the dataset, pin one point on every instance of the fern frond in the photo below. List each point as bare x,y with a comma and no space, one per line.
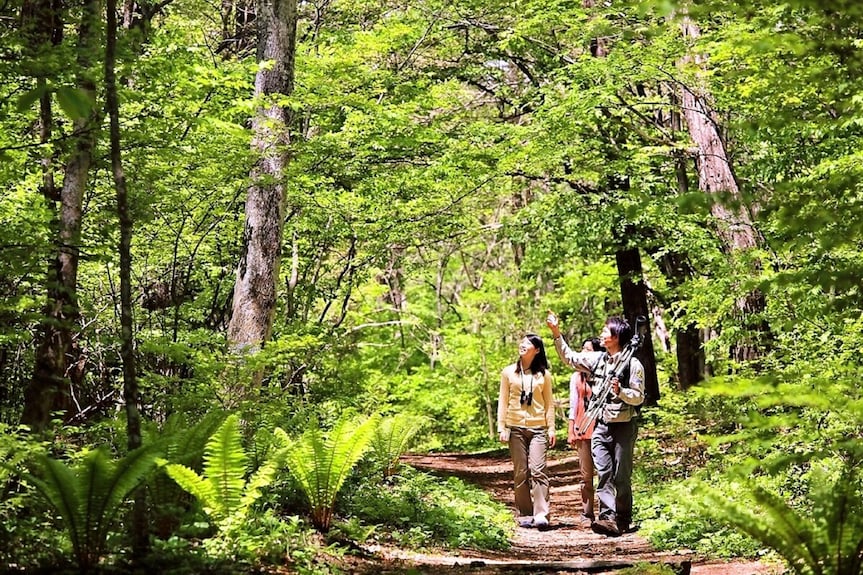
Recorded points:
348,444
225,464
61,490
826,539
736,514
392,438
262,478
199,487
793,530
89,495
320,465
190,441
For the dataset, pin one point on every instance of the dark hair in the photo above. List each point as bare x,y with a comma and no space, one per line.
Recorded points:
594,343
619,327
540,361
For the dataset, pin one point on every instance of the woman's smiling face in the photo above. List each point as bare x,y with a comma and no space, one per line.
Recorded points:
526,351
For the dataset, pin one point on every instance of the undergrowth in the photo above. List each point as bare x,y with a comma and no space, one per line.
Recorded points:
417,510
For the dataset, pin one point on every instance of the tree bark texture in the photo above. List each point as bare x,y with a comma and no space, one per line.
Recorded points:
254,302
716,177
48,389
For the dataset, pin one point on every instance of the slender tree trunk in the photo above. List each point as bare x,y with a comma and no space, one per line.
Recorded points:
716,177
634,295
139,525
254,302
675,266
48,388
691,363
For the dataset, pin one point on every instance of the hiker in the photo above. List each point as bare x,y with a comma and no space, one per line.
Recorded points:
613,439
579,395
525,420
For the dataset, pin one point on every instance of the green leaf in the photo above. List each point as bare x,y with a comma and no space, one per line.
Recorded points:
27,99
74,102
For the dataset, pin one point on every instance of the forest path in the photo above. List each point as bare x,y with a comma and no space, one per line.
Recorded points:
568,547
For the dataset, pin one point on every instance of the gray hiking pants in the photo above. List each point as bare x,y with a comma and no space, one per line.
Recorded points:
612,445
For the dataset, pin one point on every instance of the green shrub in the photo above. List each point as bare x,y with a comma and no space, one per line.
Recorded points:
223,490
419,510
823,537
671,519
391,439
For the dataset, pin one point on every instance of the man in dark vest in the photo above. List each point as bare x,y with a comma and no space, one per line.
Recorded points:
613,439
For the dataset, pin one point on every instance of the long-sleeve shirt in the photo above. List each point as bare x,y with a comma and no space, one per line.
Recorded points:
579,395
511,412
619,408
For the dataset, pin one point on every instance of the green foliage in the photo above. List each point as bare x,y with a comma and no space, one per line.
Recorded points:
822,537
648,569
183,444
391,439
264,539
670,520
28,536
89,495
320,462
415,509
224,491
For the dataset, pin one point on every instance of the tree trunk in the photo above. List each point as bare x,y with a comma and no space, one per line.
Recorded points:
634,296
716,177
690,351
254,302
139,527
48,388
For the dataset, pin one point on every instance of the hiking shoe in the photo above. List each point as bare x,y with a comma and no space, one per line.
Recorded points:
627,527
526,522
605,527
541,523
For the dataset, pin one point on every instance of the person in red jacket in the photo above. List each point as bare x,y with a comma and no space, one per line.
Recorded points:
579,395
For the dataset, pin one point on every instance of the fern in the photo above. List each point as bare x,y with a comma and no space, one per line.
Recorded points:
321,464
89,495
181,443
826,540
223,491
392,438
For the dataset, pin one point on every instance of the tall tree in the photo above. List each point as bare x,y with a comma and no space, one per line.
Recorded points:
140,540
716,178
633,291
48,389
254,303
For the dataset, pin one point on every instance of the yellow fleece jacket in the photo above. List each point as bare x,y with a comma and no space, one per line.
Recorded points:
512,413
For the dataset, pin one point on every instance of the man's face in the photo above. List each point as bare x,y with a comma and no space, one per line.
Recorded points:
608,340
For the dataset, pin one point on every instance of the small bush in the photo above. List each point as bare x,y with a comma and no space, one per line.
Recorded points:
421,510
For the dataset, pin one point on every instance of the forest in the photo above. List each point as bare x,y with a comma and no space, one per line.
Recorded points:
254,251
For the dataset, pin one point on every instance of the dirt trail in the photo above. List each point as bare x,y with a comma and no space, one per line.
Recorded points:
568,547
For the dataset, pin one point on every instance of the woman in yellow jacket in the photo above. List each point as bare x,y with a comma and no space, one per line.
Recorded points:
525,419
